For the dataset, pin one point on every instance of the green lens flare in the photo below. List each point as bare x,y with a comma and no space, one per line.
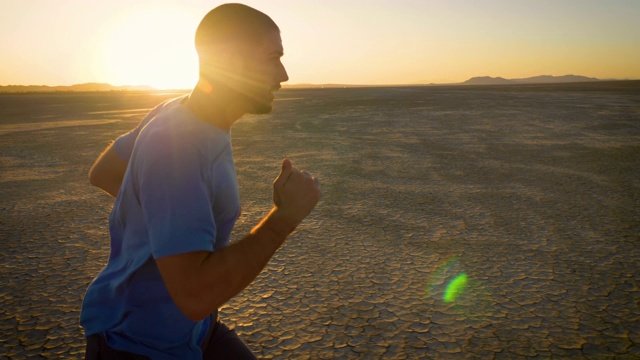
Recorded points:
454,288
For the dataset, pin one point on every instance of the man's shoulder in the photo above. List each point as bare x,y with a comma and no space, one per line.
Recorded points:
176,128
172,102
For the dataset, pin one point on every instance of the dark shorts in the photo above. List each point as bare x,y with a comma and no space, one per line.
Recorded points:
219,343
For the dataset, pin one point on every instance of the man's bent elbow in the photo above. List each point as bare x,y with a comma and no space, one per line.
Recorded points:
102,182
196,315
183,277
108,171
193,308
93,178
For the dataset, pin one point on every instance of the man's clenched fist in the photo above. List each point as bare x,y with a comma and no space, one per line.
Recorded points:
295,192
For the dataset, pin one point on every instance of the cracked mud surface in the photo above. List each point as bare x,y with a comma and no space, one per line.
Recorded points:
533,193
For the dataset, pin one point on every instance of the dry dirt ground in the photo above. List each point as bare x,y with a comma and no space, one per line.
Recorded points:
533,193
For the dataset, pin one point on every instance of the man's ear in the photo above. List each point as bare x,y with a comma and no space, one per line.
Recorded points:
231,58
236,62
227,66
228,59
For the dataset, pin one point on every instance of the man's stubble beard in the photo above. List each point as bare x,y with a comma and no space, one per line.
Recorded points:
261,108
255,100
260,101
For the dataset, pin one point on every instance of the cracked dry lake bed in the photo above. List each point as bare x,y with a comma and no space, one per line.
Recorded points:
456,222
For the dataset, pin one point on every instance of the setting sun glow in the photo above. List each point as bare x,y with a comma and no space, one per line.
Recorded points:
152,48
150,42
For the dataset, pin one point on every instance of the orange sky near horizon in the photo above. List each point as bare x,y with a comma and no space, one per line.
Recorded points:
150,42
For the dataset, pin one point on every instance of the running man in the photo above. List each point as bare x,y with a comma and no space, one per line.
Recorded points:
171,265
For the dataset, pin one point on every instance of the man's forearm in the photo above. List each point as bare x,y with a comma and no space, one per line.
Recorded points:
221,275
200,282
244,260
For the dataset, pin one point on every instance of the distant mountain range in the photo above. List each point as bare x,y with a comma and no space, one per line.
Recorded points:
78,87
542,79
479,80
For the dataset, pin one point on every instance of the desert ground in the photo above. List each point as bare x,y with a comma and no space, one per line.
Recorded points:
531,192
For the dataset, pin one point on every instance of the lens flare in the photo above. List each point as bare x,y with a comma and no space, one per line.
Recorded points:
442,276
454,288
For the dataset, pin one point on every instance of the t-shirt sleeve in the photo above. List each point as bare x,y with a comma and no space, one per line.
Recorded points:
123,145
174,196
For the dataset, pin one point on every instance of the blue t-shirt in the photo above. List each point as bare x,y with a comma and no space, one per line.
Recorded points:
179,194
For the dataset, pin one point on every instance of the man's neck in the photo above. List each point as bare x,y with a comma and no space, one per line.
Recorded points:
213,106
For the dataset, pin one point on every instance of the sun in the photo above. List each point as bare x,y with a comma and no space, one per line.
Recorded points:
149,47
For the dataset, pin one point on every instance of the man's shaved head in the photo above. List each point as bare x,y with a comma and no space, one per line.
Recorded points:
231,25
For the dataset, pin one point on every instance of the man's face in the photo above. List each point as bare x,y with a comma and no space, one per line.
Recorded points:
263,73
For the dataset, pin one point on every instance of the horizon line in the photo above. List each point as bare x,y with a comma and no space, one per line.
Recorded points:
515,81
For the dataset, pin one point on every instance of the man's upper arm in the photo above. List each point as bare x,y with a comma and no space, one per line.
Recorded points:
177,209
108,170
174,195
180,274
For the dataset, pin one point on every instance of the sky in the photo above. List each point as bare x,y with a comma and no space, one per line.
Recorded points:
150,42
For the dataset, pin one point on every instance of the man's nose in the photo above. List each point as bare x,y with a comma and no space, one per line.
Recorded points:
284,77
